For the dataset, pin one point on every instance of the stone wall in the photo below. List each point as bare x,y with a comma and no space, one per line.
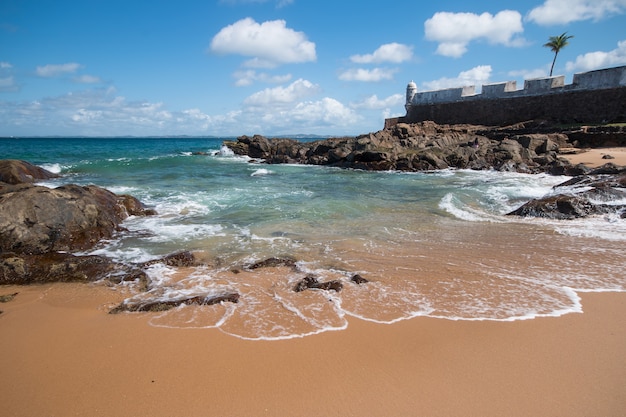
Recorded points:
591,106
593,97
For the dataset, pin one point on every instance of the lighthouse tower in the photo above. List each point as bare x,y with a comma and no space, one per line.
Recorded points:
411,91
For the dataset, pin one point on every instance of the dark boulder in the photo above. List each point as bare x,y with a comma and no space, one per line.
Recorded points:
178,259
164,305
311,282
37,220
582,196
358,279
19,269
13,171
273,263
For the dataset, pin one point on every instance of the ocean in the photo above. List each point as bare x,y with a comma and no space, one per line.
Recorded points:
434,244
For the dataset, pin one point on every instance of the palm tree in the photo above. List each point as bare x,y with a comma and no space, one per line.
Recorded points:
556,43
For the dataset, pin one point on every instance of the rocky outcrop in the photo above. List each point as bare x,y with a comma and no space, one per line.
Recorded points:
19,269
602,191
13,171
418,147
37,220
40,226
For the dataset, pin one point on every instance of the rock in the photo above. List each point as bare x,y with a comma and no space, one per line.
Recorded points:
178,259
13,171
358,279
19,269
419,147
273,262
311,282
7,297
37,220
582,196
153,306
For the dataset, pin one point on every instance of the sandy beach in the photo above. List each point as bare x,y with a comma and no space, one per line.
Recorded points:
594,157
63,355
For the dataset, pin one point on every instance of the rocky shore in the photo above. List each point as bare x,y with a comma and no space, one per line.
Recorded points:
42,228
532,148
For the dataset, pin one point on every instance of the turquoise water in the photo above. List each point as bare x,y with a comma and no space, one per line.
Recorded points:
431,244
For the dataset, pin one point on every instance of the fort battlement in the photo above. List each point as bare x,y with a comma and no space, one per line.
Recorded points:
592,97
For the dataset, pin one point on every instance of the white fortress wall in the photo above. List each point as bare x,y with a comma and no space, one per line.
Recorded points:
592,80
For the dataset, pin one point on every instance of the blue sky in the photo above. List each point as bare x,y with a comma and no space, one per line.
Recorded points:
273,67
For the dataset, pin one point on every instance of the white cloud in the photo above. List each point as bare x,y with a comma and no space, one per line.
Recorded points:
390,52
374,103
269,43
367,75
55,70
476,76
530,74
324,113
599,59
5,65
454,31
279,96
7,83
557,12
248,77
87,79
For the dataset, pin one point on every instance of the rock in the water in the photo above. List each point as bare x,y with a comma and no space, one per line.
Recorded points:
163,305
358,279
582,196
273,262
13,171
178,259
311,282
18,269
36,219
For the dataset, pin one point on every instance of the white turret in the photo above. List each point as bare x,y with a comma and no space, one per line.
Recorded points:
411,91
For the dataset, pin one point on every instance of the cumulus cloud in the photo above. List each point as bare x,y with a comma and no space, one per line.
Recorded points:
279,96
269,43
374,103
248,77
454,31
558,12
367,75
476,76
599,59
390,52
55,70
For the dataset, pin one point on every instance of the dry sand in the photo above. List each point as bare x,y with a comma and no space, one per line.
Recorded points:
593,157
62,355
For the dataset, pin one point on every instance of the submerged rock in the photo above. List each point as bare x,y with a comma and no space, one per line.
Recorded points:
311,282
358,279
273,263
160,305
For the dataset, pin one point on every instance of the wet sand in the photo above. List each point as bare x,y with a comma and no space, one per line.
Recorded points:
593,157
61,354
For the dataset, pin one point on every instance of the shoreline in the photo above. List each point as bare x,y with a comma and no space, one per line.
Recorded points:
63,355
